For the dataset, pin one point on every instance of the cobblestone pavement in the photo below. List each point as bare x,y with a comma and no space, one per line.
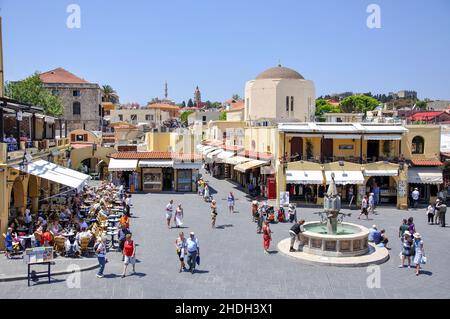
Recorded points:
233,264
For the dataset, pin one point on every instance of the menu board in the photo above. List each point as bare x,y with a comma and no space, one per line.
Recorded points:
38,255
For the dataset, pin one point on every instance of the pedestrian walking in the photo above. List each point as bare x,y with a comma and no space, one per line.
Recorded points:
295,232
431,210
181,246
415,197
193,251
213,213
292,213
254,210
100,250
419,257
206,194
267,236
230,201
364,211
411,226
178,218
437,213
407,251
123,232
169,211
402,229
259,220
372,203
442,211
129,251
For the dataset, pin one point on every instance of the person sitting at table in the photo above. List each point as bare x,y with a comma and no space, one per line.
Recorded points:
84,233
43,221
71,246
28,218
55,228
46,237
83,224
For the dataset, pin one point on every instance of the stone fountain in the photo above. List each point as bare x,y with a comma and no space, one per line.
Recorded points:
332,241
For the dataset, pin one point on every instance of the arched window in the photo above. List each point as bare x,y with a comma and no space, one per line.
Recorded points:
76,108
418,145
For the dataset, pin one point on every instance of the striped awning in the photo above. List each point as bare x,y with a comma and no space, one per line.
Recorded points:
118,165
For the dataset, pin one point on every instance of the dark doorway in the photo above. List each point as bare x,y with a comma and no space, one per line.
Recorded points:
373,150
296,148
327,150
167,178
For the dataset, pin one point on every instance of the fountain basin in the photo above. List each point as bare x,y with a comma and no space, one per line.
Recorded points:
351,240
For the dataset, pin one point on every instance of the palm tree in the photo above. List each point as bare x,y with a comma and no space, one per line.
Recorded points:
109,94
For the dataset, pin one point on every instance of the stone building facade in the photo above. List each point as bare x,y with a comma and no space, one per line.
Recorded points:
82,100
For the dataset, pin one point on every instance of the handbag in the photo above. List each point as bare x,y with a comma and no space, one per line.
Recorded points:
423,260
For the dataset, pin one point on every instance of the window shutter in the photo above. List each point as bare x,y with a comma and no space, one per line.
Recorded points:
85,137
72,137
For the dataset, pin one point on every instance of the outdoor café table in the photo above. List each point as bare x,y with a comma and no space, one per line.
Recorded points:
112,233
41,274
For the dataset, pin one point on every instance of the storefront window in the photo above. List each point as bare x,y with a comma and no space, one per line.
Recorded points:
152,180
184,180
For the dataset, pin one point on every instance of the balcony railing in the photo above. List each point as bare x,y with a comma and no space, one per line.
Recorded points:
351,159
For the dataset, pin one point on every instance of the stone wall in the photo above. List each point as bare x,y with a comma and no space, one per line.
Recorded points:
90,99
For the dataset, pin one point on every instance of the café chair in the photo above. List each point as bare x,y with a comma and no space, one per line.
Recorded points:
59,245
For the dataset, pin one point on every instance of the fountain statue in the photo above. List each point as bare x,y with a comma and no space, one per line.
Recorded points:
332,206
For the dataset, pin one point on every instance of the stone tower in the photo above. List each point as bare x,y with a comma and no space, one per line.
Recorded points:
197,97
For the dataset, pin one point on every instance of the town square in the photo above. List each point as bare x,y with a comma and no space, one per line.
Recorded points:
134,181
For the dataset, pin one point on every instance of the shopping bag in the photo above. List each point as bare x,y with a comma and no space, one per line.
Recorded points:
197,260
423,260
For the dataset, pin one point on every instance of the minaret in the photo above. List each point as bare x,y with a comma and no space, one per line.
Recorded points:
165,91
197,97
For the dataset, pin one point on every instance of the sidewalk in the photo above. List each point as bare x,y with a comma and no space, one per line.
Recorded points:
16,269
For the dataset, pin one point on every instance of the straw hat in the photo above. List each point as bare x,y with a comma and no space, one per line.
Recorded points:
374,226
417,236
407,233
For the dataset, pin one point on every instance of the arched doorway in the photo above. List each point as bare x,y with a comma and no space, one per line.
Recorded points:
296,148
17,199
33,193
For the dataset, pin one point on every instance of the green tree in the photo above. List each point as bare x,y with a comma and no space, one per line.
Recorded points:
223,116
184,116
183,104
421,104
323,106
109,94
32,91
358,103
190,103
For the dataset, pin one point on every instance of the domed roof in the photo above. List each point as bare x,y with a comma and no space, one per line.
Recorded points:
279,72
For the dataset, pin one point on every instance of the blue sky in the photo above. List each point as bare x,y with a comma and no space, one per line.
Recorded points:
136,45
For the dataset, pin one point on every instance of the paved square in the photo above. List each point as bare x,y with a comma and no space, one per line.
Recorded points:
233,264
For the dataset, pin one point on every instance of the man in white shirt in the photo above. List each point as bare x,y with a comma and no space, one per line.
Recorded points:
169,211
415,197
193,250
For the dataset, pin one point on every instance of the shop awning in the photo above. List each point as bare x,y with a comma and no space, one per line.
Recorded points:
250,165
267,170
425,175
208,149
155,163
117,165
383,137
235,160
380,172
342,136
345,177
214,153
304,177
224,155
55,173
195,165
200,147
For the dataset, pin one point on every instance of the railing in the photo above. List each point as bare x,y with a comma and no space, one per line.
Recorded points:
351,159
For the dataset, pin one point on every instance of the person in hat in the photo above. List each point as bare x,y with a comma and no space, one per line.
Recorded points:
431,210
213,213
193,250
420,254
406,249
415,197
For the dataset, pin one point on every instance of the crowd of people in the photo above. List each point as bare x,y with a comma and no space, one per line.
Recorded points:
77,223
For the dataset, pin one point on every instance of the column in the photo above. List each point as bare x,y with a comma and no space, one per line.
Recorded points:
402,189
1,124
18,132
33,128
4,201
65,128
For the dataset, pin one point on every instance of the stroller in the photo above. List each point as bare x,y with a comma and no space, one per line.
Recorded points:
281,215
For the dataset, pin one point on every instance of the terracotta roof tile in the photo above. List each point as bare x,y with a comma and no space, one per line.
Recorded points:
155,155
427,162
163,106
60,75
256,155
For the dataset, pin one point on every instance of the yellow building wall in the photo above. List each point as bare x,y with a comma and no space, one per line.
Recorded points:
158,141
80,154
92,138
432,138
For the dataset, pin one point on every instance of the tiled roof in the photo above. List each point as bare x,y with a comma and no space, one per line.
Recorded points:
426,115
427,162
238,105
163,106
256,155
155,155
60,75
